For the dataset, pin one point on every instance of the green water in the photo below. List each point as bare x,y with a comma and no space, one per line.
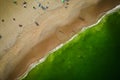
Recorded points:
93,55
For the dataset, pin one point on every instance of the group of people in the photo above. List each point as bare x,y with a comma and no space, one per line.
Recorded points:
25,4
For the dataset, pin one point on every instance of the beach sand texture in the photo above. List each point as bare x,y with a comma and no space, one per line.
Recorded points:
29,29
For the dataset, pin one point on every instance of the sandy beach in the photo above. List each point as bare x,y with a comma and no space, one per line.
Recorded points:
30,29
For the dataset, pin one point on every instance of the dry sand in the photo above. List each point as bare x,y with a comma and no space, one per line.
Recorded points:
41,30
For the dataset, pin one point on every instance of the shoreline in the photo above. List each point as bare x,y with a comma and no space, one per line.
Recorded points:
33,65
55,28
37,59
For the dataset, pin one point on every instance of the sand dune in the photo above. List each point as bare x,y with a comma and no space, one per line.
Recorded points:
28,31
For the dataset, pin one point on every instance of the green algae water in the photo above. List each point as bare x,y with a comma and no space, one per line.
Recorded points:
92,55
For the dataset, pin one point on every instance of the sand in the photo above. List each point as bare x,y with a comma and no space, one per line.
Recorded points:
21,46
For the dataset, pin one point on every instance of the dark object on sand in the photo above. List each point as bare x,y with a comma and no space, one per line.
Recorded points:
37,24
25,6
13,19
43,8
24,2
39,5
0,36
20,25
3,20
34,7
15,2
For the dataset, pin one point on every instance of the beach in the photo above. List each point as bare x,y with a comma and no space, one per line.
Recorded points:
30,29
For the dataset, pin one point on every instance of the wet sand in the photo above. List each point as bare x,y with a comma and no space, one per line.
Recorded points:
56,25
